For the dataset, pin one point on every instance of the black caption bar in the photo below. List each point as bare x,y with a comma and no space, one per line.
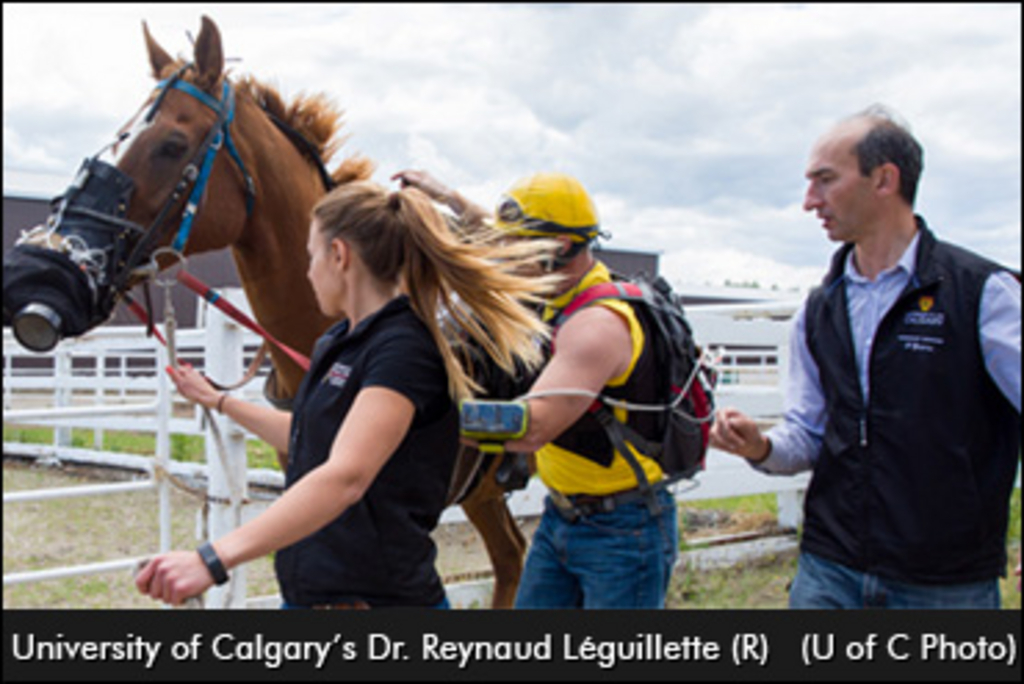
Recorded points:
426,645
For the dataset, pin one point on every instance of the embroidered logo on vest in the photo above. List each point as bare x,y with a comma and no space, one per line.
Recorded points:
925,315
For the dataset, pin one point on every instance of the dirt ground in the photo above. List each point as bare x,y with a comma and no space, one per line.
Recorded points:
96,529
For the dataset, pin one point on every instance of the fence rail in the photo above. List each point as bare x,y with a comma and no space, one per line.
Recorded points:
113,379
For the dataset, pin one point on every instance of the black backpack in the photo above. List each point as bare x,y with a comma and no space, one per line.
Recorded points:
688,383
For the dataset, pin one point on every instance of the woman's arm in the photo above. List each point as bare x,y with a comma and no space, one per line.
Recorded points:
269,424
372,431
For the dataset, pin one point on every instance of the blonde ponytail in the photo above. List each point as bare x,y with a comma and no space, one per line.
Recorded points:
480,284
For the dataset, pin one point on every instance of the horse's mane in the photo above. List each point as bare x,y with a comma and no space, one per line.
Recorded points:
314,117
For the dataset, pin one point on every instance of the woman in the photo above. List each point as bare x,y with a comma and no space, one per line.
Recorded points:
374,430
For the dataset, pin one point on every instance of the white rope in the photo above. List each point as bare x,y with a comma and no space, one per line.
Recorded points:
706,360
235,498
92,260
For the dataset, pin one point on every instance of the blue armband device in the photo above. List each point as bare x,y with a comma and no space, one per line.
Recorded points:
492,423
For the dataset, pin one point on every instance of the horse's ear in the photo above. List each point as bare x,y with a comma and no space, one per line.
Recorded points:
158,57
209,55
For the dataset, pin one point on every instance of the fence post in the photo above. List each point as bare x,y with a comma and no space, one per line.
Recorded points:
791,508
8,379
63,392
101,392
790,502
227,469
163,445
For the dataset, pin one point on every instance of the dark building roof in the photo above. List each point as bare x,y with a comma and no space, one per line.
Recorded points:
217,269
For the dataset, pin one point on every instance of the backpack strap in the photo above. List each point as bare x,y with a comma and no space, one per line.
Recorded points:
612,290
620,434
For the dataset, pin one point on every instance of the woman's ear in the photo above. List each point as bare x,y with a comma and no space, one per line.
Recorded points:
340,253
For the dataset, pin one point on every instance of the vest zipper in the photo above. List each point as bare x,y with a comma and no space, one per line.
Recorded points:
864,431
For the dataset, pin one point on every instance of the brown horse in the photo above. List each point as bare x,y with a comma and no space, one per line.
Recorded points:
256,200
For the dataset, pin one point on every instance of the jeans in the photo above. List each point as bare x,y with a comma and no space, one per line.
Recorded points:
820,583
620,559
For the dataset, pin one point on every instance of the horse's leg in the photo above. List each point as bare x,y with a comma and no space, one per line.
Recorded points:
486,509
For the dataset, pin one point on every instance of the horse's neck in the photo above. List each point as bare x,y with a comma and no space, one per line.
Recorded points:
272,263
283,303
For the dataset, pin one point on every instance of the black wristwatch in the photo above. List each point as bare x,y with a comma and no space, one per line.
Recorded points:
213,564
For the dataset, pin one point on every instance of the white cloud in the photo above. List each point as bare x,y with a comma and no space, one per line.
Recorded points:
689,123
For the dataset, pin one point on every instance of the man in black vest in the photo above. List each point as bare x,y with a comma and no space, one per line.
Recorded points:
904,394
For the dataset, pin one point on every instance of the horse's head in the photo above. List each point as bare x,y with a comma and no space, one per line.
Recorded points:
177,165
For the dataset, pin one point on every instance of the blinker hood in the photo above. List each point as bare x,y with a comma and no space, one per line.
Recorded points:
44,287
62,292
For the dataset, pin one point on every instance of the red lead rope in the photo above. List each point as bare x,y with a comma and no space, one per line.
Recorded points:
213,297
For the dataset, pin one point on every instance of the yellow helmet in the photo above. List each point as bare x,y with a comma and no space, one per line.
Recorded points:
547,204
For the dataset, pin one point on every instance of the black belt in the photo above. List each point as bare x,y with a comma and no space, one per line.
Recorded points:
573,506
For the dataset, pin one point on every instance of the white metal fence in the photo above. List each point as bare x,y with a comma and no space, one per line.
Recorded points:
113,379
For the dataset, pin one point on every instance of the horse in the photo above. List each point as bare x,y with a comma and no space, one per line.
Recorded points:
221,163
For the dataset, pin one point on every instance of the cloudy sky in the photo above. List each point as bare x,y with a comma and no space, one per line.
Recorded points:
689,124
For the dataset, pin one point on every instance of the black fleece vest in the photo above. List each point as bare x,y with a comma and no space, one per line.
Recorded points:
915,485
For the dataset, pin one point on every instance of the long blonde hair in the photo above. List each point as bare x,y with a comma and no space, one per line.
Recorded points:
479,282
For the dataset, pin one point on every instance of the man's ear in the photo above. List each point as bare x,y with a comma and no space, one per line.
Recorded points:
887,179
564,245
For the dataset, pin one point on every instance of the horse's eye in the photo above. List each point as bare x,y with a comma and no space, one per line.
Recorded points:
173,149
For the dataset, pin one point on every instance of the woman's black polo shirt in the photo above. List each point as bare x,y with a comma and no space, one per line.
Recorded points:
380,549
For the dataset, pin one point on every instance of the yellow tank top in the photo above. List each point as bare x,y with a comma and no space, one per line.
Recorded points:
570,473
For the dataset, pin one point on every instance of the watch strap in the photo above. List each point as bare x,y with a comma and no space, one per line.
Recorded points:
213,563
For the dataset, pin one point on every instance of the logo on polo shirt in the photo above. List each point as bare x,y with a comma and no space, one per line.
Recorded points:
338,375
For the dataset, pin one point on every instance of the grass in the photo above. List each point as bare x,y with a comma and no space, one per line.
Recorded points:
65,532
760,584
755,504
184,448
764,583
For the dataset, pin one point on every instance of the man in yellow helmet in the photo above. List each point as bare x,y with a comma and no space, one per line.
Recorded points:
602,542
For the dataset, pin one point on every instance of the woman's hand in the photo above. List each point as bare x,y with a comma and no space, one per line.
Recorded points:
174,577
193,386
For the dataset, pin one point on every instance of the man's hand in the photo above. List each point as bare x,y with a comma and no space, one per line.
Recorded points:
736,433
425,183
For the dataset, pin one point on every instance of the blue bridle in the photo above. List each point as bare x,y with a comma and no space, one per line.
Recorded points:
219,136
